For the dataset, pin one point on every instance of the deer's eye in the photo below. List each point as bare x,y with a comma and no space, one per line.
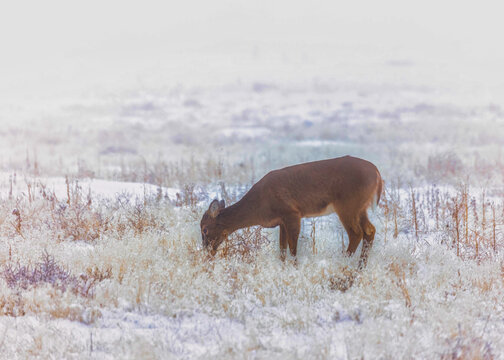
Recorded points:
205,231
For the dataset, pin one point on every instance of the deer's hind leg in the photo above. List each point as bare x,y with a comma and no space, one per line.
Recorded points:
283,242
354,231
369,233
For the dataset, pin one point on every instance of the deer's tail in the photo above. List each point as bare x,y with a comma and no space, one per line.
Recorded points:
379,189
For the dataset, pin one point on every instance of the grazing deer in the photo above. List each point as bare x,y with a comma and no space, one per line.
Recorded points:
345,185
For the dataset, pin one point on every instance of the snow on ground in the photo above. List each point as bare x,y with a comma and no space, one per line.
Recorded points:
190,335
171,302
156,295
244,133
97,187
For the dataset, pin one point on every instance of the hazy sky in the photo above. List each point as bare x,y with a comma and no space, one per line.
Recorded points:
55,47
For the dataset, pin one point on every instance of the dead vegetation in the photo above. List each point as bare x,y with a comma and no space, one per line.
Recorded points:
48,271
466,345
245,243
141,253
469,223
78,218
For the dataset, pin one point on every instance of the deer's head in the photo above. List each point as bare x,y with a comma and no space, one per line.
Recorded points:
212,232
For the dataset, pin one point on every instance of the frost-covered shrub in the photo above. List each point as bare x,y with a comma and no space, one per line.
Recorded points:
190,195
46,271
245,243
80,221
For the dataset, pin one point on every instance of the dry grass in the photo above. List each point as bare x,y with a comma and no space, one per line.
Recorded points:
79,258
452,213
400,279
245,244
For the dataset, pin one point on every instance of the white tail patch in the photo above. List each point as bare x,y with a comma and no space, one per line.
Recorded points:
374,205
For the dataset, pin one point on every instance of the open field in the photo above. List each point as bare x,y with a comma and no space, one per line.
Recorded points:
100,246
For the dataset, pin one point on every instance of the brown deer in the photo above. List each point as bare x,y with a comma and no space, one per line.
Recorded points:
345,185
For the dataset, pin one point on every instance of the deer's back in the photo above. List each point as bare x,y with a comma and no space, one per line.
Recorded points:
312,188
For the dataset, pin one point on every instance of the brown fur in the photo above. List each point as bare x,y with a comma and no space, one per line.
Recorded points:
282,197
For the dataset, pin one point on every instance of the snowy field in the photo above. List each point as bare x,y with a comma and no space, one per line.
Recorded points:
101,248
119,124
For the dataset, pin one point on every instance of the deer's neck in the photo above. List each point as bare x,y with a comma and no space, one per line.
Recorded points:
239,215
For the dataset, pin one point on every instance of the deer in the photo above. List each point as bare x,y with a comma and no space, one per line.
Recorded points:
347,186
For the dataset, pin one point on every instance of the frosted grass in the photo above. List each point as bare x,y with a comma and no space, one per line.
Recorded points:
132,153
165,298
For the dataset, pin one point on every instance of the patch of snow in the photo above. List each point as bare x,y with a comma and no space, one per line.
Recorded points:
97,187
243,133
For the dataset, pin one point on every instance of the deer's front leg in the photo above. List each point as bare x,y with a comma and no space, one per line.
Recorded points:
292,226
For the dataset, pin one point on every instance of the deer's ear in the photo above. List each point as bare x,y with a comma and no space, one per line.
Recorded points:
214,208
222,204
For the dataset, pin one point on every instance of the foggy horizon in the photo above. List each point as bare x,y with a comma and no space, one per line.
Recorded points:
57,48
